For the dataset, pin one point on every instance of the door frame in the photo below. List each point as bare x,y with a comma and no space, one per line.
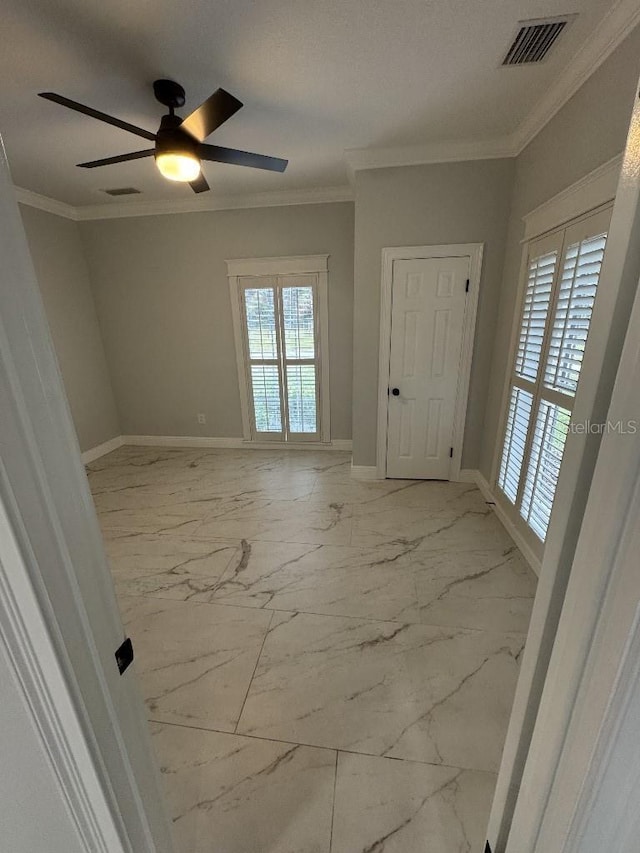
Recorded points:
474,252
90,720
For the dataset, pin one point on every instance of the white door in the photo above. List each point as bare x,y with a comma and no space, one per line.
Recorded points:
427,316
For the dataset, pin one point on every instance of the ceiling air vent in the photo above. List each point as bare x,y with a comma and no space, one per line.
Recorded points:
534,40
123,191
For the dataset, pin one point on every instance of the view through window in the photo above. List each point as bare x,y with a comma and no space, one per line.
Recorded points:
281,341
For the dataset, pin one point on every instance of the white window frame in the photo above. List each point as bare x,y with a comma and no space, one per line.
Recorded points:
526,538
240,269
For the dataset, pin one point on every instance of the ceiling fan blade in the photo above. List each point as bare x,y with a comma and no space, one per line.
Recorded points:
217,154
89,111
200,184
211,114
120,158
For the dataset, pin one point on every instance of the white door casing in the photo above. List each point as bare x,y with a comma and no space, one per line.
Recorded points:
427,311
427,320
59,618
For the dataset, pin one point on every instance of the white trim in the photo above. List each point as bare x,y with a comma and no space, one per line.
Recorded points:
364,472
36,664
231,443
467,475
508,371
197,204
241,368
280,267
474,252
611,792
616,25
323,346
292,265
101,449
591,191
453,151
88,716
43,202
523,546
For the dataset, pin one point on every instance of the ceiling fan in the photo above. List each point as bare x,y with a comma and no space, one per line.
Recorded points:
179,143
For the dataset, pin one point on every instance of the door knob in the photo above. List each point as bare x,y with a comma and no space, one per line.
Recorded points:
395,392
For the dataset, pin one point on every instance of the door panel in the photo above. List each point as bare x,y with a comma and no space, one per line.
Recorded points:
427,316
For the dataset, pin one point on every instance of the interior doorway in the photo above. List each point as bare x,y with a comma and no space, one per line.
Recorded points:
428,309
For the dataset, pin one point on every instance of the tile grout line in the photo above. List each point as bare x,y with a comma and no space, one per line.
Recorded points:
246,695
333,806
373,619
336,749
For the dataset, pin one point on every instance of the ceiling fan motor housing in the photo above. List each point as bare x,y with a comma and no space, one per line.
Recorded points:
171,139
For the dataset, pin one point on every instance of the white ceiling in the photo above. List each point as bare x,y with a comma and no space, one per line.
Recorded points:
316,77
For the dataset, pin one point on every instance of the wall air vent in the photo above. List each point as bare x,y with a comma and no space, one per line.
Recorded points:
123,191
534,39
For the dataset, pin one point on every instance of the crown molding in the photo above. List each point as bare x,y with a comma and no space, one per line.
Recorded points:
617,24
317,195
43,202
118,210
436,152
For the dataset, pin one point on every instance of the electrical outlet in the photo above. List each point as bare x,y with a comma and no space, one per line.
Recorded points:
202,418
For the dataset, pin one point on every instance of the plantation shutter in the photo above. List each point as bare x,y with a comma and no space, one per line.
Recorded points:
300,351
563,271
534,317
540,280
282,354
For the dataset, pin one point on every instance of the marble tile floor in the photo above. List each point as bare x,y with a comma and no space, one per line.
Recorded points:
328,665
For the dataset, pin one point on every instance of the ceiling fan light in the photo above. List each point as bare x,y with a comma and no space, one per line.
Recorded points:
181,167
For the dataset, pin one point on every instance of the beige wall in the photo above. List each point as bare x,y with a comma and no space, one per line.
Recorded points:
63,277
163,301
589,130
424,205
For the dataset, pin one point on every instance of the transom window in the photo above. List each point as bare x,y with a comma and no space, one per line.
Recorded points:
279,324
563,270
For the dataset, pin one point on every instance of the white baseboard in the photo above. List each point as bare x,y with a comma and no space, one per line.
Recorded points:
102,449
370,472
364,472
230,443
508,525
